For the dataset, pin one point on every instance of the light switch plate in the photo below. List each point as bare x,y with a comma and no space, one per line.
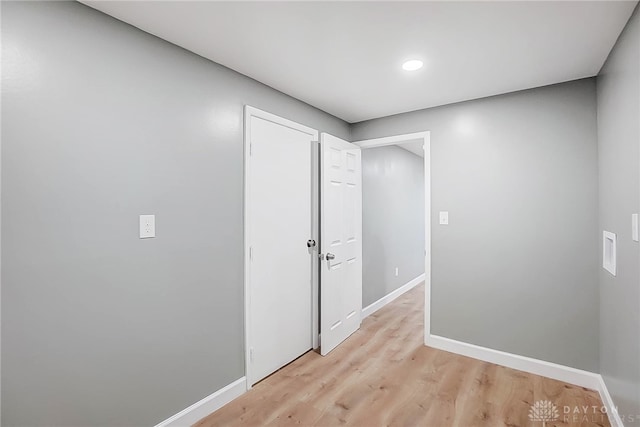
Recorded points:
634,227
444,218
147,226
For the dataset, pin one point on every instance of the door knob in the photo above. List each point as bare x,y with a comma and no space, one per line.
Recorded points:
330,256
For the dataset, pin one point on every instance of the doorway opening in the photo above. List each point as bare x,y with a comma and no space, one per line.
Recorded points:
395,257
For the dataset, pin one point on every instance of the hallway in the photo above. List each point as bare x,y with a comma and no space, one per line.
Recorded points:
383,375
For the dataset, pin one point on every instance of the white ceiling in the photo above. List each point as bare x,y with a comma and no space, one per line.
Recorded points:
345,57
415,147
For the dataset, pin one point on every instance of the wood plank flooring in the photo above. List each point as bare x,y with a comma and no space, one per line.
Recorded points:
383,375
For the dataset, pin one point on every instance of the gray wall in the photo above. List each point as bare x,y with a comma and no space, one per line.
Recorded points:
516,268
101,123
619,156
392,220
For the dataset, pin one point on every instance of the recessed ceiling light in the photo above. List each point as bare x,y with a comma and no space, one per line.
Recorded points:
412,65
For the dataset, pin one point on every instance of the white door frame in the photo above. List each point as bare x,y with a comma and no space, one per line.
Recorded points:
426,139
250,112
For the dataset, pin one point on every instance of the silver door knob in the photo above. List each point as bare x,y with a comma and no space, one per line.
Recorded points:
330,256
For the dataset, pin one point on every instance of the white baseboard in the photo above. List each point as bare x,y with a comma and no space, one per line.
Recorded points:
555,371
209,404
372,308
612,410
527,364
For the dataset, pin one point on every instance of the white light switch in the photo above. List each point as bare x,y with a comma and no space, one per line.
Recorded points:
397,271
147,226
444,218
634,227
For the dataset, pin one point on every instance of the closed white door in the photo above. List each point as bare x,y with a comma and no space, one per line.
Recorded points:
279,224
341,246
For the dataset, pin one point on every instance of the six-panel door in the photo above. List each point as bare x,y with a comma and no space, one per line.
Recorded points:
341,231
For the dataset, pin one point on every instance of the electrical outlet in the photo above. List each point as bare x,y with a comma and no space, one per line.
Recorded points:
147,226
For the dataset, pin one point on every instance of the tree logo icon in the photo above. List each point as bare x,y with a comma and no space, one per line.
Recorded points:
543,410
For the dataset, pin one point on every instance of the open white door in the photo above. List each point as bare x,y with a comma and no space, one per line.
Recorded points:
341,244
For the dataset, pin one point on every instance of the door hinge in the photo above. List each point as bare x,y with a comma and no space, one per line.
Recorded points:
250,253
251,355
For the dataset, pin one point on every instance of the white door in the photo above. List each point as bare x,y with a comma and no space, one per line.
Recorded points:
341,231
279,224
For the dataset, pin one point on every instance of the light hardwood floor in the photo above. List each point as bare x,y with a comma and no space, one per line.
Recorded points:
383,375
